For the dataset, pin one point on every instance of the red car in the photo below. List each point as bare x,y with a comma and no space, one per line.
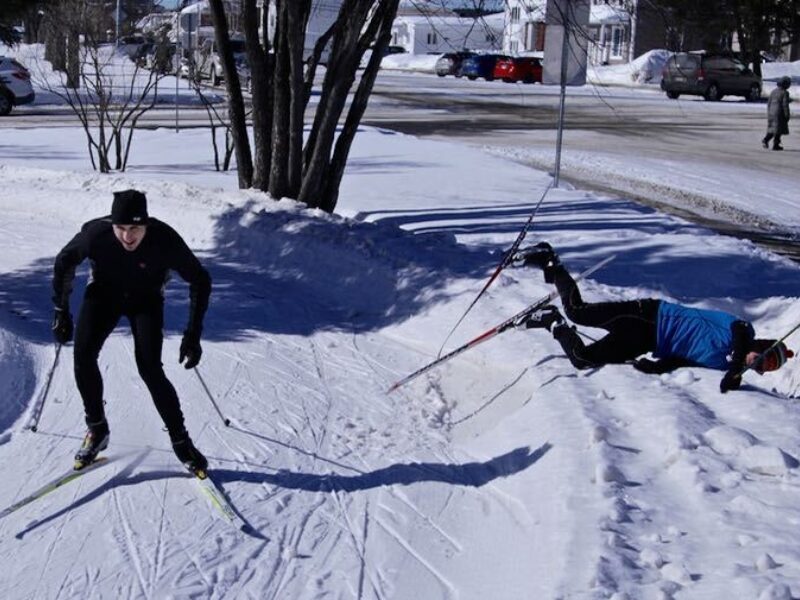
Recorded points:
521,68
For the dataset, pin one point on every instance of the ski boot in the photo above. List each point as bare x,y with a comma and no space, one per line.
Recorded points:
94,442
545,318
540,255
190,456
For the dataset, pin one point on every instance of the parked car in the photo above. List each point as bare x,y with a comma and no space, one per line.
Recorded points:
521,68
450,63
709,75
208,64
15,85
130,45
480,65
393,50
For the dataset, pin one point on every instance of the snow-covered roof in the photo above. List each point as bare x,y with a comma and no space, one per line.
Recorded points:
605,14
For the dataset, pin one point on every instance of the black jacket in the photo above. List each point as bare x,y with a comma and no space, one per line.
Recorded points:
136,277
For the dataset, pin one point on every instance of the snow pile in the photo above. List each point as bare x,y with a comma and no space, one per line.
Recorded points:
645,69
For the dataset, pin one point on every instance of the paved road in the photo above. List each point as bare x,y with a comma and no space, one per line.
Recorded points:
622,124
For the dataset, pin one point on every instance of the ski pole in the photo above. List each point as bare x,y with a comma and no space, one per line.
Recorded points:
33,424
508,256
490,333
210,397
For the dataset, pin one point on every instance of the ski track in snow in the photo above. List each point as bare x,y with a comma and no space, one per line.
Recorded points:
599,484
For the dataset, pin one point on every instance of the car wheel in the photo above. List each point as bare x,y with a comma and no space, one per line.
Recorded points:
754,93
489,78
471,77
508,80
5,104
712,93
441,74
673,95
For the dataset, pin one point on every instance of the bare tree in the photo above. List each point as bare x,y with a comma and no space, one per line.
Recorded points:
282,163
114,93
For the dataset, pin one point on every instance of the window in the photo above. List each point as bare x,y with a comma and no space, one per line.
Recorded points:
617,41
515,12
432,38
529,36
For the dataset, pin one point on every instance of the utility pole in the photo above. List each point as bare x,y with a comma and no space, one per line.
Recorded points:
565,56
118,19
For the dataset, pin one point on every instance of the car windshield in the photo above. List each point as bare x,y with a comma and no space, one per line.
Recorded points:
685,61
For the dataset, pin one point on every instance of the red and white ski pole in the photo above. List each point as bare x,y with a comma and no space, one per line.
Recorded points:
489,334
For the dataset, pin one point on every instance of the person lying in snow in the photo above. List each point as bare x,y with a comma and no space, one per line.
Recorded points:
678,336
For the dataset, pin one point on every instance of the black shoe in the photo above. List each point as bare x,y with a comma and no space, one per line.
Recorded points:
765,144
544,318
539,255
190,456
94,442
777,147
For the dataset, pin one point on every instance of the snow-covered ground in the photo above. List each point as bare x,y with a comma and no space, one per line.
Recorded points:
504,474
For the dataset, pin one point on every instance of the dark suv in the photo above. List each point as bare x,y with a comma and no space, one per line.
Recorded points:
709,75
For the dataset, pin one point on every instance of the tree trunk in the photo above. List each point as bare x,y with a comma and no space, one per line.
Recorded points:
73,58
279,172
261,89
297,19
382,21
344,60
244,161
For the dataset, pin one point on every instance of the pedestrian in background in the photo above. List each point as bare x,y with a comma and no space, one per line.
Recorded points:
778,114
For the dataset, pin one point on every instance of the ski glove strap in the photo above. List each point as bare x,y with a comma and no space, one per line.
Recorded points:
190,350
62,326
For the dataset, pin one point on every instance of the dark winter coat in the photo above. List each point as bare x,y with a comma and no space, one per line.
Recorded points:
132,278
778,112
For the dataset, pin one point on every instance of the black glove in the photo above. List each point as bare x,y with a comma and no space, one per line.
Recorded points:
731,381
62,326
190,349
645,365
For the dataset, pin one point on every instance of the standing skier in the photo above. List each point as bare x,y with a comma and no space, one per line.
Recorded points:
130,255
677,335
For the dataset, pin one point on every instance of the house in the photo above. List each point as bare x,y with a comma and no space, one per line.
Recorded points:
322,16
434,34
195,23
619,30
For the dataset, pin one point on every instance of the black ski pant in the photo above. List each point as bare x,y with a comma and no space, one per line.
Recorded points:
631,326
777,137
100,312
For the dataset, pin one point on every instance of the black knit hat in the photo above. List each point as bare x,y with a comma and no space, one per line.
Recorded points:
129,208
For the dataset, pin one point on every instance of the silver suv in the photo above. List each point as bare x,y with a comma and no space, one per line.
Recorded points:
15,85
208,64
709,75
